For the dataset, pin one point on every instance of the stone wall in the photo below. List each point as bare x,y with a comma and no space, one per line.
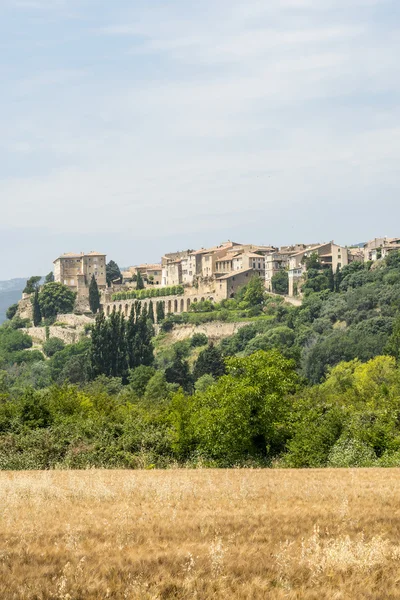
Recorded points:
215,331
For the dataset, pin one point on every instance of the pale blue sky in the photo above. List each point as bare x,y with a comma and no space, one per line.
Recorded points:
140,127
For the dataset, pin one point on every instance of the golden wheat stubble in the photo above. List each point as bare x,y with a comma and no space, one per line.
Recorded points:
200,534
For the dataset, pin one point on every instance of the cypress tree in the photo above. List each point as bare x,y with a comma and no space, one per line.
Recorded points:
99,359
131,330
139,281
338,279
94,296
150,315
160,312
331,280
37,313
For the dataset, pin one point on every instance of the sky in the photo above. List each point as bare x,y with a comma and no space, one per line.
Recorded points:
139,127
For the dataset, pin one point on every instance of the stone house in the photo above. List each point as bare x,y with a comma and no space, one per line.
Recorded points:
76,270
380,248
330,254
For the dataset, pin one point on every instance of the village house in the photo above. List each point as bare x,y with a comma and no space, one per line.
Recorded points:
151,273
330,254
76,270
380,248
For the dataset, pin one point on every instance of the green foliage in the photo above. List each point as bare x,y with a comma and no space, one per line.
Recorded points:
151,312
49,277
139,281
32,284
255,292
160,312
142,294
113,273
179,373
37,313
11,311
203,383
244,413
56,298
139,378
53,345
209,362
280,282
198,339
94,296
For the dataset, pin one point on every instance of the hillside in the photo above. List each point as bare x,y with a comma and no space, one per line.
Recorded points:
10,293
248,381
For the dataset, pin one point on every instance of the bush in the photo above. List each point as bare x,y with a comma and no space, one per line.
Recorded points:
11,311
351,453
199,339
53,345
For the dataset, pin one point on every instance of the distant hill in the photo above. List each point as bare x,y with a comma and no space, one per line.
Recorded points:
10,293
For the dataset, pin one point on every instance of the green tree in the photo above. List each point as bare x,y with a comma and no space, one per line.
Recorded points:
209,362
37,313
338,279
280,282
139,378
158,388
179,373
94,296
203,383
246,412
11,311
56,298
393,345
32,284
150,315
49,277
53,345
113,273
139,281
255,291
331,280
160,312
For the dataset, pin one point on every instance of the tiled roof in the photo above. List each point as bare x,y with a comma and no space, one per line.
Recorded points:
233,273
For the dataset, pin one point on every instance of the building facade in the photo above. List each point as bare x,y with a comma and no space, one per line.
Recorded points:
77,270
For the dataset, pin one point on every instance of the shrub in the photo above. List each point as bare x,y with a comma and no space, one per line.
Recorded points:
351,453
53,345
199,339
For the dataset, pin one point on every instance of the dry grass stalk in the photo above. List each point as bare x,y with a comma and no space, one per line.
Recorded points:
199,534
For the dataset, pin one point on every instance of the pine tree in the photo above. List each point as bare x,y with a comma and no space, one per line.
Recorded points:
94,296
37,313
210,362
150,315
160,312
139,281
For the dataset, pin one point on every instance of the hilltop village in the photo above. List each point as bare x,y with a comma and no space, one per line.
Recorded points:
213,274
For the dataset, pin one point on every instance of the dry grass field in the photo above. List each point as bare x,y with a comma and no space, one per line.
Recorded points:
200,534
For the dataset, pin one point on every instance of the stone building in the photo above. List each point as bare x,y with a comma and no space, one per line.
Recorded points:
150,272
380,248
76,270
330,254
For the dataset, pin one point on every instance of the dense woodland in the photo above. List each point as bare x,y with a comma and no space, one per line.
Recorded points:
308,386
